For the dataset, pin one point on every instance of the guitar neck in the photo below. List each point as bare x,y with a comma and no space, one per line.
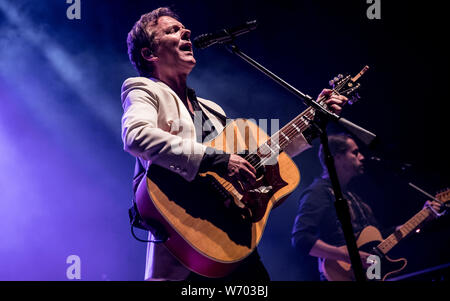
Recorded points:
411,225
281,139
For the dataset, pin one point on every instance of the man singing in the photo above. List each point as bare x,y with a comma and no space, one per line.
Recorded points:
158,126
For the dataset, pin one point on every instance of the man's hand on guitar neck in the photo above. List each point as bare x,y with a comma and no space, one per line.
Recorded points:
334,102
434,206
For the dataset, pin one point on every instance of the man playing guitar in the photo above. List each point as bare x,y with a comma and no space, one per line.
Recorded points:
317,231
158,127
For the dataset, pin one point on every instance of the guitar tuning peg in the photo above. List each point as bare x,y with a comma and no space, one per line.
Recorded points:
331,83
336,79
340,76
354,99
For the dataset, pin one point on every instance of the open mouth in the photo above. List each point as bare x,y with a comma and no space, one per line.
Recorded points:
186,47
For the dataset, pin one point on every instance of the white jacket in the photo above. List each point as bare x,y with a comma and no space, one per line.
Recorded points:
158,129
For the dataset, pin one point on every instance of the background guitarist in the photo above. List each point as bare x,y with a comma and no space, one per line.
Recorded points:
317,231
158,126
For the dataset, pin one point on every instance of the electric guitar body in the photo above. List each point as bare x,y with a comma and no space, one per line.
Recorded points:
370,241
370,237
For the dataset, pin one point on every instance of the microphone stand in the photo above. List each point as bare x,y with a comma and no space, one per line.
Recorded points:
341,205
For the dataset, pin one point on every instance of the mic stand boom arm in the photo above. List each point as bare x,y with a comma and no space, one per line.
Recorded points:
367,137
359,132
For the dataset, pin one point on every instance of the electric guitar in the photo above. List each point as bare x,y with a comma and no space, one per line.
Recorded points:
371,241
212,222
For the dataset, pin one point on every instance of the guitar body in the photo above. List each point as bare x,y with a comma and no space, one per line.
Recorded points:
370,237
214,224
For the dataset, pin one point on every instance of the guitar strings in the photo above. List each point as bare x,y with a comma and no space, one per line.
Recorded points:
292,131
288,130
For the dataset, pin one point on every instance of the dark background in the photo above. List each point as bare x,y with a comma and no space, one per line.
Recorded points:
65,180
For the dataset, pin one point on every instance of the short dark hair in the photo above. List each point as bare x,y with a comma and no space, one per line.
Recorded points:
338,145
139,37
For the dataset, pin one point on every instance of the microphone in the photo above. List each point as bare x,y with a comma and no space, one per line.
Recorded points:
224,35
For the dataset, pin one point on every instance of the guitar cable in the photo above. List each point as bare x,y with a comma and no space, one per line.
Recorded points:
153,227
142,240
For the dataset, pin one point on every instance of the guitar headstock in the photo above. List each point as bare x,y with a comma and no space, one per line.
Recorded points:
444,196
347,85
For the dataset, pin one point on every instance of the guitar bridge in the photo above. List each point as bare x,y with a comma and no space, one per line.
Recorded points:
221,193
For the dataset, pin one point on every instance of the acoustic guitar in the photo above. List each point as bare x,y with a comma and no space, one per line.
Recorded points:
371,241
213,223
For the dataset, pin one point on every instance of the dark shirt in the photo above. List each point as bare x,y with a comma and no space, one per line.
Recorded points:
217,162
316,217
208,129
